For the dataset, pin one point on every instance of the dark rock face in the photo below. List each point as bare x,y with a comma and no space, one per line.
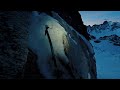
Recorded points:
92,37
13,43
112,38
19,62
74,19
30,67
97,41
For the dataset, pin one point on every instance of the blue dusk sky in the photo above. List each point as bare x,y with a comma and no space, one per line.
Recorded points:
97,17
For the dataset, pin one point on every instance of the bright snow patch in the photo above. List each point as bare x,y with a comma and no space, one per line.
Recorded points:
39,43
107,60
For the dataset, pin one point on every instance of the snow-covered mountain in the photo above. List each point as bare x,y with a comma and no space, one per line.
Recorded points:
105,39
106,29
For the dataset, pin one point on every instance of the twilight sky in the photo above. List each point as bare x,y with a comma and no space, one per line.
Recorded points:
97,17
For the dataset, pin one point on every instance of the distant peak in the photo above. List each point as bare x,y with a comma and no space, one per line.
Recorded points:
107,22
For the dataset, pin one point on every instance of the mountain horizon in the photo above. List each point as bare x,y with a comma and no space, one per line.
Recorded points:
98,17
106,21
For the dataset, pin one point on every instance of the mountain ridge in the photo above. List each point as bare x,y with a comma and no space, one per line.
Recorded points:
105,25
105,39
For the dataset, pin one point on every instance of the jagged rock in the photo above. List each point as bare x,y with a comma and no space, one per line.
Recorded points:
117,44
103,38
92,37
105,26
13,43
30,68
112,38
97,41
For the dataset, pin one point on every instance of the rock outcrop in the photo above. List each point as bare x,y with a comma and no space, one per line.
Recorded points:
30,68
13,43
63,53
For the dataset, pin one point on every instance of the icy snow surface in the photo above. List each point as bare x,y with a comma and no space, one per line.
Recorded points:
107,55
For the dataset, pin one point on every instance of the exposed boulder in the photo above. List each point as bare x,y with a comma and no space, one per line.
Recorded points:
97,41
92,37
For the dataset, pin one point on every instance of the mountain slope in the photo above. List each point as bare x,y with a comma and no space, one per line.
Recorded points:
105,39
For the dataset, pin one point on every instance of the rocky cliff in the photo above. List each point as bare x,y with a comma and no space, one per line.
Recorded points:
44,45
13,43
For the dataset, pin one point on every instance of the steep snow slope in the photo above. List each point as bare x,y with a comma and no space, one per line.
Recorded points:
71,52
39,41
106,32
107,60
107,51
